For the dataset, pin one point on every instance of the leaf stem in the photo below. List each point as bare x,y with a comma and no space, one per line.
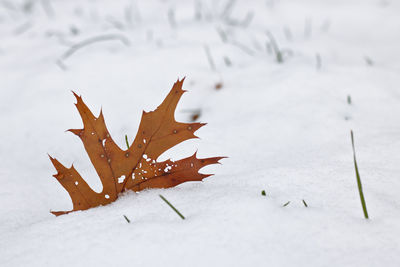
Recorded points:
172,207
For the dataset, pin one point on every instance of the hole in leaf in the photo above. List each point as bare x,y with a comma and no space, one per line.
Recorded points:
121,179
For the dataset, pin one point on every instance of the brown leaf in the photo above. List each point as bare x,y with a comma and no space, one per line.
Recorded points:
218,85
135,168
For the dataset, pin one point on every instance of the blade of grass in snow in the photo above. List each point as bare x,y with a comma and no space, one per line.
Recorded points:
263,193
349,99
209,57
363,204
171,17
369,61
126,218
227,61
126,141
318,61
172,207
287,203
101,38
305,204
275,47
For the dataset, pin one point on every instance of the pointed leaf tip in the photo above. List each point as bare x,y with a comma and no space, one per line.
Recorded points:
53,160
78,98
206,175
181,80
75,131
75,94
58,213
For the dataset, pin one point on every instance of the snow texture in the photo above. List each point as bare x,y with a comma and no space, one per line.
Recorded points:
285,127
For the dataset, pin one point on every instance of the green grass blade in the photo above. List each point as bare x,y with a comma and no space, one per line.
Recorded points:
126,218
363,204
172,207
349,99
126,141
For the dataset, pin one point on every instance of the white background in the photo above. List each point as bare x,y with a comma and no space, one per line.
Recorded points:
284,126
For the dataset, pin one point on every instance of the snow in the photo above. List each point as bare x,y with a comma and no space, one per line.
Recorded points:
284,126
121,179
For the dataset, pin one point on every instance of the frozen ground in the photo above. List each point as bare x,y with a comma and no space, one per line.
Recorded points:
285,127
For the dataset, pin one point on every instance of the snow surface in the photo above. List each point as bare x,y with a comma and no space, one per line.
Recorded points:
285,127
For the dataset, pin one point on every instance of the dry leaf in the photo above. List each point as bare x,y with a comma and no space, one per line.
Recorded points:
135,168
218,85
196,115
